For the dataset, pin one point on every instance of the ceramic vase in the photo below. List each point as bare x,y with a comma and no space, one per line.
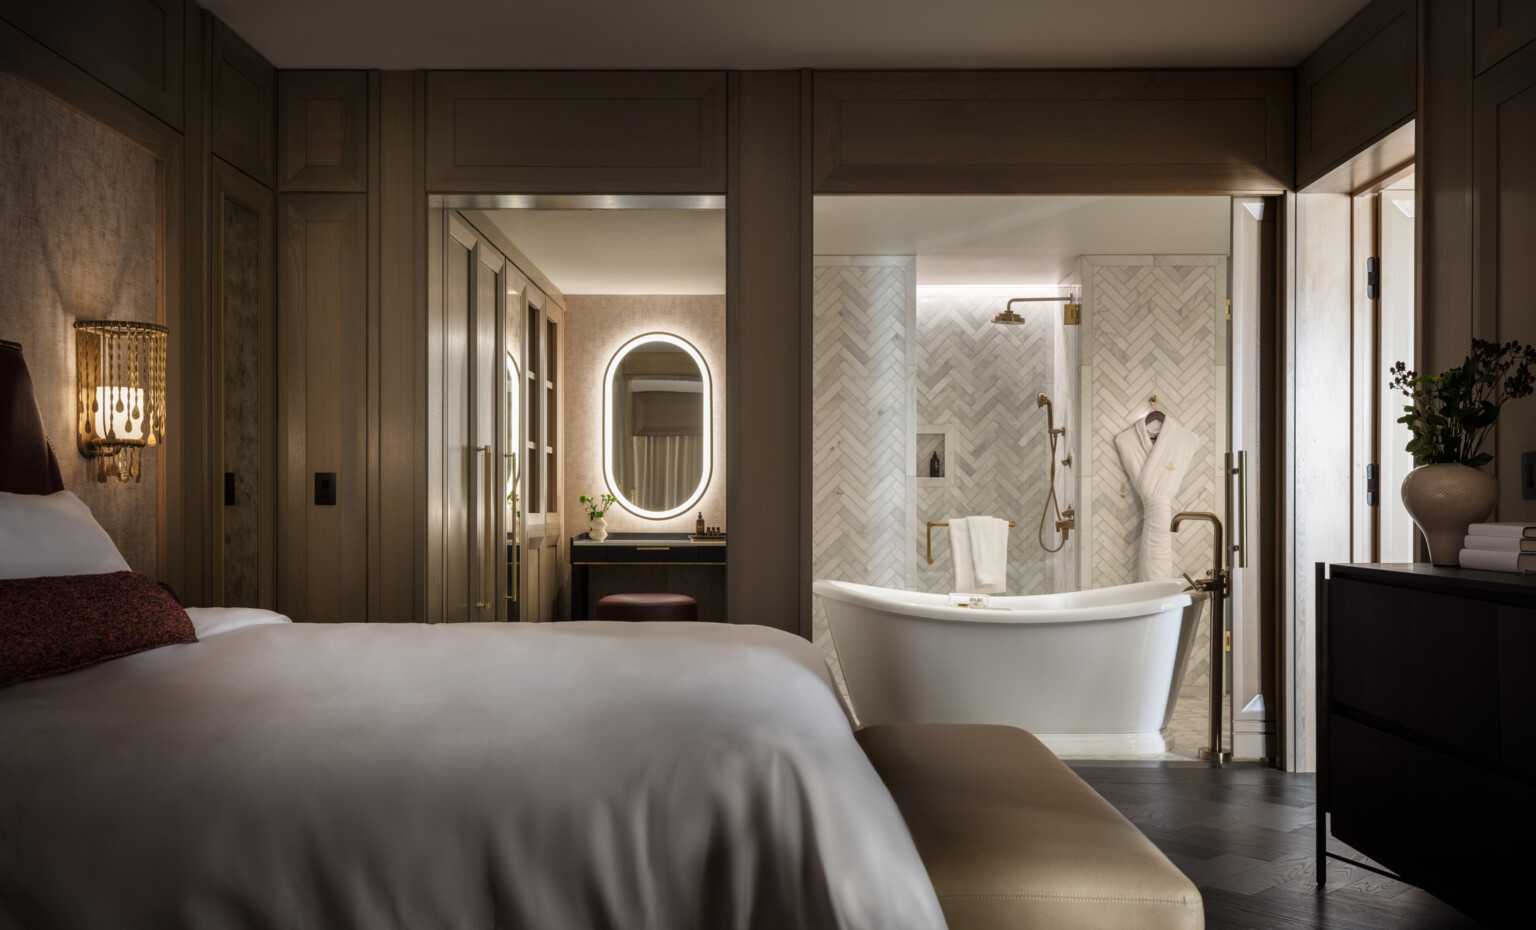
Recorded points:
599,530
1443,501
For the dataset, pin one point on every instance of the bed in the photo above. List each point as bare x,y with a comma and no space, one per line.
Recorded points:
273,774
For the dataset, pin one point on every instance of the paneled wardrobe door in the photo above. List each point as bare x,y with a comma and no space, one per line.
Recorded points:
242,396
474,477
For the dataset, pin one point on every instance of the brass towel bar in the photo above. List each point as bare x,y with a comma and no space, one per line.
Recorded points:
930,537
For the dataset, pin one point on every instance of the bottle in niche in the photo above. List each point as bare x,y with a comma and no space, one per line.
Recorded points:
935,467
698,526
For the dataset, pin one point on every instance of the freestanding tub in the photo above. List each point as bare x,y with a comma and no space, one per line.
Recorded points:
1087,672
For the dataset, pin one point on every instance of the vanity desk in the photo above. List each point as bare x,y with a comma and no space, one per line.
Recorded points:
660,563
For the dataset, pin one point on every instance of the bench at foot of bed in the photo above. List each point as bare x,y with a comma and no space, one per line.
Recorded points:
1012,838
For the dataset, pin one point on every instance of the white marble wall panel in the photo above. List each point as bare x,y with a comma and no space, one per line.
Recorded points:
980,380
863,426
1152,325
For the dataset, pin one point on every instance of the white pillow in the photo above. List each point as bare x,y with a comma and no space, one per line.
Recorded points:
42,535
211,621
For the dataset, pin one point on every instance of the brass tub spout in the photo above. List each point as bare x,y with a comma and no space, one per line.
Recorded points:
1215,584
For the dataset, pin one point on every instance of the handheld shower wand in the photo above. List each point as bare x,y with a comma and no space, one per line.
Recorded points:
1065,522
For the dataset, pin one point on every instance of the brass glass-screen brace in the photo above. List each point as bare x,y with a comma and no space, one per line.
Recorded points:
930,537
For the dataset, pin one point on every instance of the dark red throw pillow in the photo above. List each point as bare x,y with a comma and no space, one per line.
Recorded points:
59,624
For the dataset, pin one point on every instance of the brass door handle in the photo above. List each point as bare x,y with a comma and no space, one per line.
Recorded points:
1240,543
487,535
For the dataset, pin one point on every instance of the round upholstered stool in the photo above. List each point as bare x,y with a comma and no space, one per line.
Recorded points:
647,607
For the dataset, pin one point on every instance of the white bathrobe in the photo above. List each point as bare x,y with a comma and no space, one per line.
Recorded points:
1156,461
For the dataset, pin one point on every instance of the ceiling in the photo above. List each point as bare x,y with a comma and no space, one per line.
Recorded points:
687,34
957,240
622,251
1018,240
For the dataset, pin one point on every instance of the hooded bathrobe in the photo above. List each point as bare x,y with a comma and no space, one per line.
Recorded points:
1156,460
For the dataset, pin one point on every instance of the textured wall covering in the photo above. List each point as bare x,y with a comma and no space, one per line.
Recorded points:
1151,325
78,216
863,457
242,404
979,379
595,327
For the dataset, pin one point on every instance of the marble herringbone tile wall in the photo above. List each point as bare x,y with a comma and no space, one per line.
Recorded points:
863,436
1151,325
979,379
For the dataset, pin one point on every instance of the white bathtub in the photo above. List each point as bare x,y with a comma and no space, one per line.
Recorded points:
1087,672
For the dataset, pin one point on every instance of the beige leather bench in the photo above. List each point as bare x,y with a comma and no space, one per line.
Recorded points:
1012,838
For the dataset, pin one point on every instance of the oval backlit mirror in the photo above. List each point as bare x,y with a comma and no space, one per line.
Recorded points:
656,425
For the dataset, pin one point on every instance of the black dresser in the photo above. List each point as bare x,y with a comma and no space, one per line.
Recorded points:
648,563
1427,728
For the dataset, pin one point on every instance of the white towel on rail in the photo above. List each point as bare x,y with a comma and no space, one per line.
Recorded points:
989,554
963,548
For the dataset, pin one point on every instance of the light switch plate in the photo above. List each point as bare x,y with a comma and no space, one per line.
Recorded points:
325,488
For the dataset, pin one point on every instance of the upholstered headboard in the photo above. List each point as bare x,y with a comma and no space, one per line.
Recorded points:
27,462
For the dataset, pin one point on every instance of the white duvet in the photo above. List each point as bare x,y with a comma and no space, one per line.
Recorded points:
648,775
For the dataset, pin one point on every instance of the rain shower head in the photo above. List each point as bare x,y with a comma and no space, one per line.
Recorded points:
1009,318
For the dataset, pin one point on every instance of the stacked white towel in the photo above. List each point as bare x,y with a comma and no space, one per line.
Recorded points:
979,547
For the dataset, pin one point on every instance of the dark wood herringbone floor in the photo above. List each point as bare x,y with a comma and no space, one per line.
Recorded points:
1245,835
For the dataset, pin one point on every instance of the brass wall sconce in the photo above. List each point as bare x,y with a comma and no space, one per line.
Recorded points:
120,368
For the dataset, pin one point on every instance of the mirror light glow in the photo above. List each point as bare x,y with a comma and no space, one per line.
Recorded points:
615,487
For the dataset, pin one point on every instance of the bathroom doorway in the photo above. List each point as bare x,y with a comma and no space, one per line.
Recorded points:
980,356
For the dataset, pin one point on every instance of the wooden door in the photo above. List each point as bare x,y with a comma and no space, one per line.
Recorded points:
323,428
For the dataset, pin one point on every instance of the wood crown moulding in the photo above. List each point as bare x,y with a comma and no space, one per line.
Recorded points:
574,132
1053,132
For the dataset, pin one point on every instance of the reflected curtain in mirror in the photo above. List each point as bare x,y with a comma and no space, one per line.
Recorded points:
656,428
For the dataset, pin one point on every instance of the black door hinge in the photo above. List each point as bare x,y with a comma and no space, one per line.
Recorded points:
1372,485
1372,278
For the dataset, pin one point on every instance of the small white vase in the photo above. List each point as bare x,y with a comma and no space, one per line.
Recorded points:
1443,500
599,530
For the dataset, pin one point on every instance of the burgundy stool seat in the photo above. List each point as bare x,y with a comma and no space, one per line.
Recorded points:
647,607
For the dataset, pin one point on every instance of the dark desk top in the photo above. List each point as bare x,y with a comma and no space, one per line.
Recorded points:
645,539
1504,587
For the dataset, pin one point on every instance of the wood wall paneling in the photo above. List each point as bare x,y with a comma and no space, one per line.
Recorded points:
323,117
1318,437
1504,139
231,187
133,46
1502,26
241,90
1053,132
1357,88
322,426
398,585
576,132
767,308
1443,182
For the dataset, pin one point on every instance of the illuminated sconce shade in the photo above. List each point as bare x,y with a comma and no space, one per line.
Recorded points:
121,372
